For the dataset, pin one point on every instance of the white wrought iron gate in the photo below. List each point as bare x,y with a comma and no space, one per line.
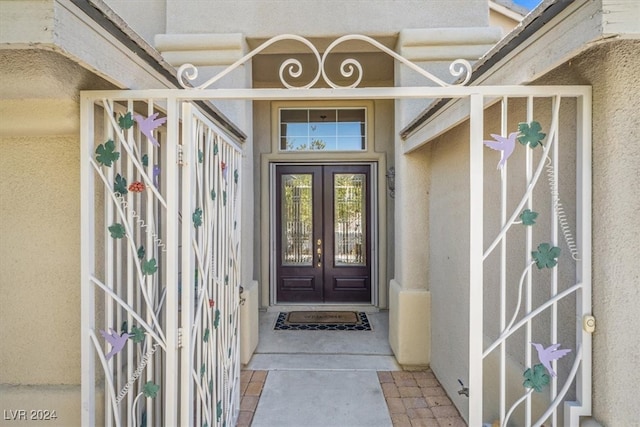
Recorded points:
160,264
160,247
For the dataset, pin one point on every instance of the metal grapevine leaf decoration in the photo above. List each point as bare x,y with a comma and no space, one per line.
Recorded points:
126,121
205,337
219,410
213,195
224,198
200,156
106,154
530,134
536,378
149,267
145,160
150,389
215,148
216,320
124,327
545,256
147,125
117,230
137,334
141,252
120,185
203,369
236,175
197,217
528,217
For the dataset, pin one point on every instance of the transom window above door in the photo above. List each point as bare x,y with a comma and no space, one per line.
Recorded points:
323,129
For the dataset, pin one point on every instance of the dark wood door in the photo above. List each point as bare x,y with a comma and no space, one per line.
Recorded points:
323,234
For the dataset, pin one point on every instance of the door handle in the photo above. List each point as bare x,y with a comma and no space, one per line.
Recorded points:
319,251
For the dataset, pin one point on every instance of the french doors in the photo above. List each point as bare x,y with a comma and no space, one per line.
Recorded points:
323,234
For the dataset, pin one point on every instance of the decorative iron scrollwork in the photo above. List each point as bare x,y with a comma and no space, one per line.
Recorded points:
349,68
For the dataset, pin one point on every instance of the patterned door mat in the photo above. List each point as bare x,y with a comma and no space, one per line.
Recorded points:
322,321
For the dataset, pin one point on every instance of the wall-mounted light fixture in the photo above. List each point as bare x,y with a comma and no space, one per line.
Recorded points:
391,181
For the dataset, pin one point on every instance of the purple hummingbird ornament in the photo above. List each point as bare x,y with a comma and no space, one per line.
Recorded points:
148,125
117,341
504,145
549,354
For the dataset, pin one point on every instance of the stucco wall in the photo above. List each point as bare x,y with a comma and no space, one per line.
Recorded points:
39,270
259,18
612,70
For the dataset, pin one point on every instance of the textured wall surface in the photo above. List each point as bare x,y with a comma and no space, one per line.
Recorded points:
39,260
612,70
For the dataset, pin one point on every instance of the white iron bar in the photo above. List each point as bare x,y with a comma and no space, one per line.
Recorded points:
503,262
532,183
123,304
171,385
87,263
553,289
407,92
514,406
506,334
131,244
188,265
476,282
125,144
565,388
110,264
109,389
582,407
151,251
131,202
529,245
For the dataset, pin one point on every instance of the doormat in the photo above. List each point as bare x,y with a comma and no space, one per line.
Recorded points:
322,321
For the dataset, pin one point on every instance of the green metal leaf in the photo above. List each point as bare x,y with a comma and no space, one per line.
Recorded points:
536,378
137,334
215,148
145,160
120,185
528,217
203,369
124,328
105,154
126,121
530,134
216,320
149,267
213,195
224,198
117,230
150,389
200,156
545,256
219,410
197,217
205,337
235,176
226,279
141,252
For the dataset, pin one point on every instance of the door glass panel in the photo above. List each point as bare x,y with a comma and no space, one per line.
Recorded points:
349,219
297,219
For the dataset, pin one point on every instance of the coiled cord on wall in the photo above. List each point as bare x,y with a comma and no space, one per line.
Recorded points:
559,210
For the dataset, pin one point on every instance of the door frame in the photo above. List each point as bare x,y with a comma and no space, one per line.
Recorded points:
375,230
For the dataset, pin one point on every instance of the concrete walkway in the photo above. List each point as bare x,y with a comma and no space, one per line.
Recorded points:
336,379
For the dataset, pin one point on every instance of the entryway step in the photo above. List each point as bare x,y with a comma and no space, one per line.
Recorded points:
322,362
